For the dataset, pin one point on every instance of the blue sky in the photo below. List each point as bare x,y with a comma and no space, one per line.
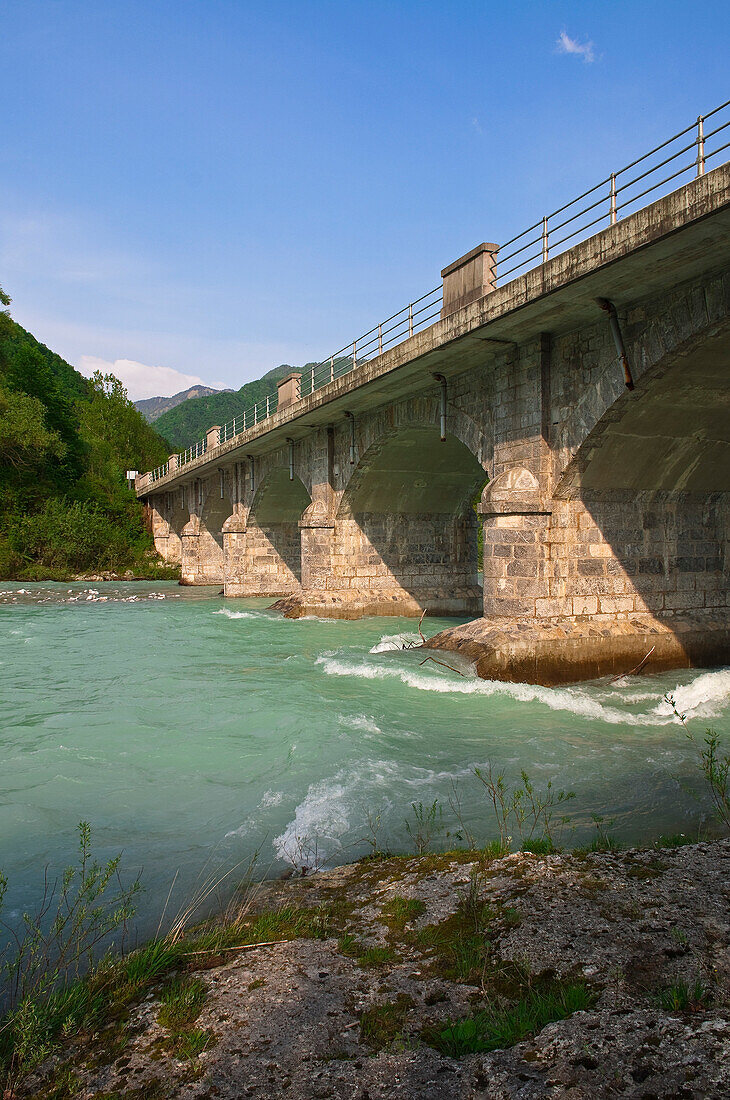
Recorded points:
207,188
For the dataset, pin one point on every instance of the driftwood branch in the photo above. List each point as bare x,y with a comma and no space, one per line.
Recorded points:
444,663
238,947
635,671
423,613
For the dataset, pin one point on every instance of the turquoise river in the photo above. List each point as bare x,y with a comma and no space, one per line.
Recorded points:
191,731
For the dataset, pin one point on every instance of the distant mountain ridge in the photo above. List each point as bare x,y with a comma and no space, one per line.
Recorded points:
189,419
154,407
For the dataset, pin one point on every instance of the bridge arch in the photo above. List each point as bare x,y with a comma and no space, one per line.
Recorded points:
178,516
209,552
406,534
273,537
647,493
671,434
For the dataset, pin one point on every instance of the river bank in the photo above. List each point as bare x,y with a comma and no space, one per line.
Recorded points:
153,570
375,966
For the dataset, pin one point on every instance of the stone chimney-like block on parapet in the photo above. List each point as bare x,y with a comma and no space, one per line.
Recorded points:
288,388
172,463
469,278
213,437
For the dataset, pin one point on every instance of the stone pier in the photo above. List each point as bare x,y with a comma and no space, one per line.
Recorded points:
604,510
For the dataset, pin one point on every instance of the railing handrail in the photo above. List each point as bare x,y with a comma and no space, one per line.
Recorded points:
407,322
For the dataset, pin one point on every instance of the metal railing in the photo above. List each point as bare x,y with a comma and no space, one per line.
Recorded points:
614,198
249,417
195,451
160,471
400,326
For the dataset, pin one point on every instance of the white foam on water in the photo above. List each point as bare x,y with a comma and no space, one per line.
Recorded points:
271,798
243,830
573,700
319,822
238,614
332,808
703,697
392,642
361,722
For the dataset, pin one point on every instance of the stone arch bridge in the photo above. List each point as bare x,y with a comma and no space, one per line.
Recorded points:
604,509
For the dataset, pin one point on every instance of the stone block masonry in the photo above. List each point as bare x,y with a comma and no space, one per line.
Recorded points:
605,512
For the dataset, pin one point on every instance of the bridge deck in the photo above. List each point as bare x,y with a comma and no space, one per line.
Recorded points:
684,233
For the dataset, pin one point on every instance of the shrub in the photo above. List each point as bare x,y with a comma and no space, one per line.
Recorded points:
43,960
714,765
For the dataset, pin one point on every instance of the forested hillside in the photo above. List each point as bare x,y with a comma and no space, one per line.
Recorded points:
65,444
190,420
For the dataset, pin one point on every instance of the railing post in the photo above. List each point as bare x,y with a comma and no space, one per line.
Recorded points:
332,368
614,209
700,146
312,380
354,354
267,405
380,339
544,240
410,319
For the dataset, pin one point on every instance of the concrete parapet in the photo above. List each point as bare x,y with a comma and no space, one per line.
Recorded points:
469,278
288,390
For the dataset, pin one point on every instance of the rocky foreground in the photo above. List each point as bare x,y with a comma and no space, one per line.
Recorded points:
375,959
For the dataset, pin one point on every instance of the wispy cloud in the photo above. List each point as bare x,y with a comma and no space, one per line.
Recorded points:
566,44
140,379
477,125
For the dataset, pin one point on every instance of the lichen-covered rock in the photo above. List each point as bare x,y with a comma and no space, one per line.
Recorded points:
408,945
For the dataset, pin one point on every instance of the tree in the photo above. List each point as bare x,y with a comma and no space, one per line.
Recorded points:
26,443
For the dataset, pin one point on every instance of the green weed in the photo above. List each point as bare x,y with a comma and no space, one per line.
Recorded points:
603,841
496,1028
151,962
190,1044
375,956
684,997
401,911
540,846
426,824
349,945
181,1003
533,814
383,1023
673,840
714,765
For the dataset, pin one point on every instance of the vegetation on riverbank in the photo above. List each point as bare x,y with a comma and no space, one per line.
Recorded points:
65,445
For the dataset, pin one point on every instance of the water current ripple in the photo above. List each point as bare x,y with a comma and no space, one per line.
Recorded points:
187,728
